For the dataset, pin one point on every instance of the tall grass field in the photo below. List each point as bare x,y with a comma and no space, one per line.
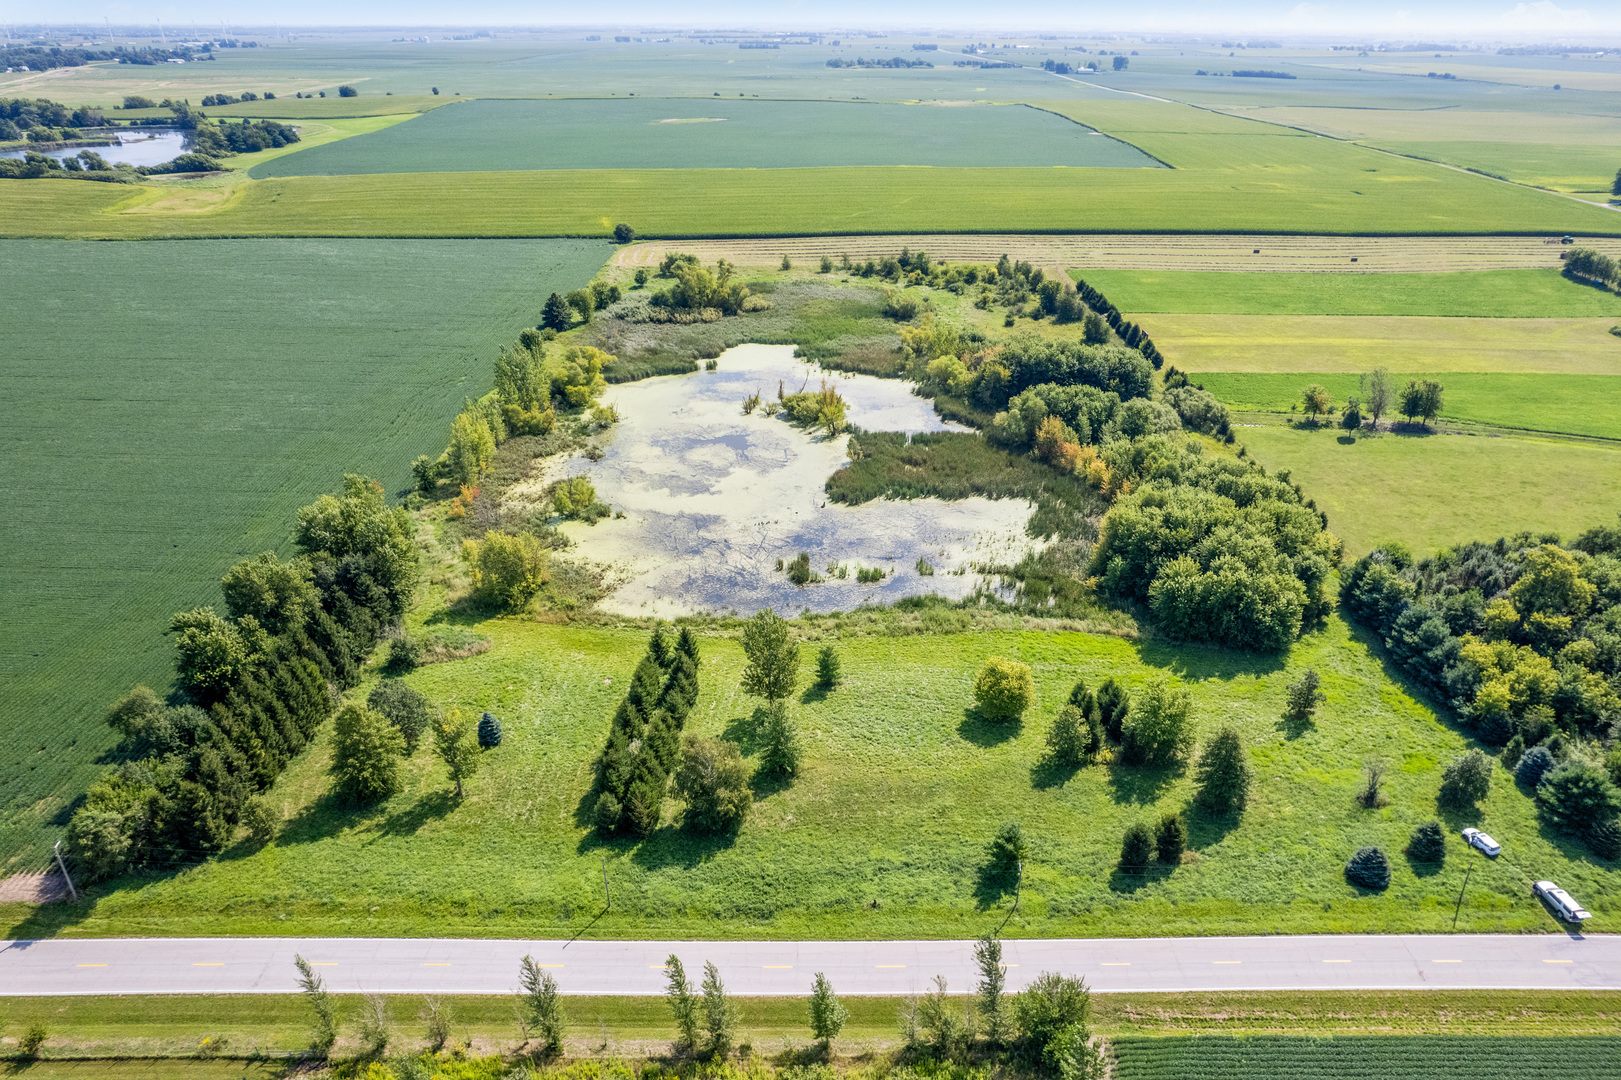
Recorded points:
169,407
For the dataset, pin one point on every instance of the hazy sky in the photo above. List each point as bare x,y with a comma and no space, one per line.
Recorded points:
1481,19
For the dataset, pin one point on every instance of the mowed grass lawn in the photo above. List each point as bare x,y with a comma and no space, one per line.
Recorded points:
1433,491
654,133
169,407
1539,294
1567,404
884,833
1296,343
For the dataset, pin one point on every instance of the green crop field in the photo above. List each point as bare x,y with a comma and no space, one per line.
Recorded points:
1351,343
653,133
1235,196
1568,404
1391,1057
1539,294
884,832
1589,169
171,405
1434,491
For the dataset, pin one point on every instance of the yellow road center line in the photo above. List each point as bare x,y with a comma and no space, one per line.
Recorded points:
1559,961
777,967
659,967
89,965
435,965
538,965
1226,961
325,963
1446,961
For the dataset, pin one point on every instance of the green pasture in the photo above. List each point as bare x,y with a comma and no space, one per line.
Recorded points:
1434,491
1565,404
171,405
793,202
884,832
1393,1057
1415,343
653,133
1530,294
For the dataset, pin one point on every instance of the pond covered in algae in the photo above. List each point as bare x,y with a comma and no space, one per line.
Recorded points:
713,498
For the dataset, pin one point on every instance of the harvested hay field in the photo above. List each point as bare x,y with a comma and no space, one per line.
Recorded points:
1351,343
1136,251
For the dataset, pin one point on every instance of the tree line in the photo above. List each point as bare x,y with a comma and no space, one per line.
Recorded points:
1522,639
251,687
1587,265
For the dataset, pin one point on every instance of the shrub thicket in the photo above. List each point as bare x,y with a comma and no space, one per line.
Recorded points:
714,782
1004,689
1136,847
1171,838
1159,729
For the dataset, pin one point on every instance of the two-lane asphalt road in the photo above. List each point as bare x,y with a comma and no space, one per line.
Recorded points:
438,966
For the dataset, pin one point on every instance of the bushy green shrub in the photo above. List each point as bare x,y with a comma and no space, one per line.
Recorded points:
1304,697
1050,1005
1466,780
404,706
1136,847
1369,869
1536,763
366,751
714,782
1171,838
1159,730
1223,774
1004,689
1576,796
1428,844
779,741
508,568
1075,737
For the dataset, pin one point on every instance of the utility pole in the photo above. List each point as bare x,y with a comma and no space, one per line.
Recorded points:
1459,907
1018,886
57,851
607,897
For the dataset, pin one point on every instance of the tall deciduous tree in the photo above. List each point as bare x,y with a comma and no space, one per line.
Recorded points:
543,1006
366,754
827,1013
1377,393
773,667
453,741
683,1003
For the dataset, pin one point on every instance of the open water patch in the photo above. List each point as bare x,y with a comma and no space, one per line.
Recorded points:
713,498
138,146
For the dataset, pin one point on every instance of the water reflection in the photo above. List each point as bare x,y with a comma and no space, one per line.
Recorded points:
714,498
137,146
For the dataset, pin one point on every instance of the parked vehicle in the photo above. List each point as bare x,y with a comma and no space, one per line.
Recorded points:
1560,900
1477,839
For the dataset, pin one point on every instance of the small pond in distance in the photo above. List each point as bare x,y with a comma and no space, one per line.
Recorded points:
136,146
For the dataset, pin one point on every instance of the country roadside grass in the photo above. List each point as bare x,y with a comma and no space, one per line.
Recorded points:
1495,294
1356,343
1218,197
884,833
1587,405
173,1026
168,435
1266,1057
1434,491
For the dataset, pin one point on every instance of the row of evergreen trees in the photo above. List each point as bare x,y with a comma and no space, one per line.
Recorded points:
251,687
644,741
1132,334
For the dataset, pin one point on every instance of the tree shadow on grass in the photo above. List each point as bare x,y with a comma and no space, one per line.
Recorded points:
1140,784
1205,829
431,807
813,694
764,784
982,731
320,820
1122,880
1572,847
1423,869
682,848
994,883
1050,773
745,732
1457,818
1195,662
1293,727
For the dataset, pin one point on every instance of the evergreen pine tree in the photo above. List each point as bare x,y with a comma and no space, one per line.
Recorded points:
489,731
1223,775
646,797
658,647
645,685
1113,704
687,643
556,314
